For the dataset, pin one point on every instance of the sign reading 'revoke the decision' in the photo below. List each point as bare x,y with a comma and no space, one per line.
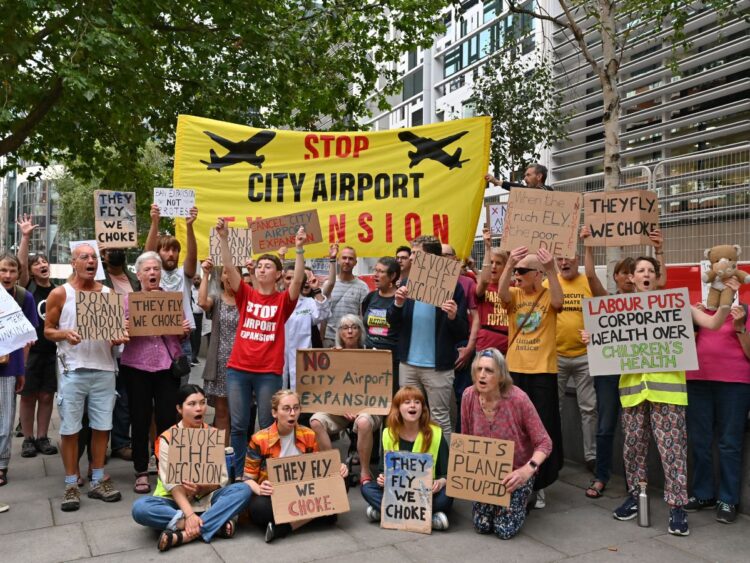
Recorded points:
640,332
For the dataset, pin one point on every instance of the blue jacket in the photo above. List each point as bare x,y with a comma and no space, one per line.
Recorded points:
447,333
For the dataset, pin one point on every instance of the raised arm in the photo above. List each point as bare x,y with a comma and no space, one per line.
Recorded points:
548,263
658,239
597,289
233,276
27,227
205,302
333,253
516,255
191,257
486,273
299,264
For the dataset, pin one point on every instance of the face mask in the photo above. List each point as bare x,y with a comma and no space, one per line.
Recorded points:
116,258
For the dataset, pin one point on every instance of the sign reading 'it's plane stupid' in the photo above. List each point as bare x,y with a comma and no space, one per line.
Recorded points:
372,191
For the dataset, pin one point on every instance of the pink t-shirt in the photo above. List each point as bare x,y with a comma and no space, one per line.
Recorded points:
515,419
720,355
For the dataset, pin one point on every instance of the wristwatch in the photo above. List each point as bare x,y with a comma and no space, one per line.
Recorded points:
534,465
742,331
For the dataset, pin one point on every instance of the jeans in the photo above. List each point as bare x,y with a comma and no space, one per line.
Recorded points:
608,410
240,388
162,513
373,494
715,406
121,416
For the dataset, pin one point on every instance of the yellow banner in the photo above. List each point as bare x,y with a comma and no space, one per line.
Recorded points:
372,191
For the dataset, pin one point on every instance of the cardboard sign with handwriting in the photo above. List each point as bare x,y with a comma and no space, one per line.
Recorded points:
274,232
155,313
407,495
541,219
99,315
196,455
477,467
432,278
345,381
114,219
174,202
307,486
622,218
496,213
240,246
15,329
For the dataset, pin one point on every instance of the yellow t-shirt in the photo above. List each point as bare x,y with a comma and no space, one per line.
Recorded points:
533,351
570,319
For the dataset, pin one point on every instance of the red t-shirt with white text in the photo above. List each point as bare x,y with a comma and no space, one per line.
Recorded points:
259,344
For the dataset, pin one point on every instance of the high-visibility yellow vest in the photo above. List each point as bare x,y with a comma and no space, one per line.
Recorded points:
661,387
390,444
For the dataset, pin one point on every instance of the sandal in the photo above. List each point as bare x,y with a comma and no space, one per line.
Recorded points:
167,539
595,492
141,484
228,529
3,477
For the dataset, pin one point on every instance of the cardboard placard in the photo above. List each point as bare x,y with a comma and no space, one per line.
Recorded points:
345,381
541,219
640,332
73,244
407,495
15,329
496,213
432,278
476,468
99,315
196,455
174,202
240,246
307,486
622,218
114,219
155,313
274,232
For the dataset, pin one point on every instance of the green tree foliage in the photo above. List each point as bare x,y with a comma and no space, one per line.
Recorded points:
89,82
520,96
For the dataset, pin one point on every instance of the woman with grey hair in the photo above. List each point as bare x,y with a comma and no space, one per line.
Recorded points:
351,333
146,366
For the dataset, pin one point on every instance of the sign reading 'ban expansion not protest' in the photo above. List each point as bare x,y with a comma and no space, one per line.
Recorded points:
640,332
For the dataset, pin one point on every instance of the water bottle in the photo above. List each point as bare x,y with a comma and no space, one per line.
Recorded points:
229,455
644,515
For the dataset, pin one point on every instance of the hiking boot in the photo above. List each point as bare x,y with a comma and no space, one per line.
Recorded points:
439,521
678,525
372,514
28,448
627,510
726,513
44,446
696,504
105,491
71,500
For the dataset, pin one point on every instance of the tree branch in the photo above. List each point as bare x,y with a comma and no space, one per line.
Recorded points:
22,130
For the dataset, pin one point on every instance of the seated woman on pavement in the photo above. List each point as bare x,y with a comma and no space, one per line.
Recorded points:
349,336
409,428
186,511
284,438
495,408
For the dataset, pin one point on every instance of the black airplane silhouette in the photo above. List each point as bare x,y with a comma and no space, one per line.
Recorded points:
432,149
241,151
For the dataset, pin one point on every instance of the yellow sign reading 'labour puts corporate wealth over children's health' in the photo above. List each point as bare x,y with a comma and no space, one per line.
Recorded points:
372,191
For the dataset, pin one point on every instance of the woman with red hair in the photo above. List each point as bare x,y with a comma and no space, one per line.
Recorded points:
409,428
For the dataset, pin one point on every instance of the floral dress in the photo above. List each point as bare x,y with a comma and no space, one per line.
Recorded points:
227,328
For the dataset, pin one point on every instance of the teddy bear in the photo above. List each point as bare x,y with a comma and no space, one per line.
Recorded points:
723,260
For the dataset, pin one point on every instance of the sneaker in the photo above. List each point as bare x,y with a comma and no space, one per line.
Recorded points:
726,513
696,504
439,521
4,507
105,491
126,453
44,446
627,510
28,448
153,468
372,514
71,500
194,363
541,500
678,525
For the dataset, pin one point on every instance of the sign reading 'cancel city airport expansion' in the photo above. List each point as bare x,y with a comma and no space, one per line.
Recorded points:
640,332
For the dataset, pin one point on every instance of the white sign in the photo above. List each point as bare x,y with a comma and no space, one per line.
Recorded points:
640,332
15,329
100,268
174,202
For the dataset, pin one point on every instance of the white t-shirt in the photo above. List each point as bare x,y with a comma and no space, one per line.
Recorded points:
176,280
288,447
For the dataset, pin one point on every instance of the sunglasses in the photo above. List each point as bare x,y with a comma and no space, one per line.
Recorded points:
523,271
485,354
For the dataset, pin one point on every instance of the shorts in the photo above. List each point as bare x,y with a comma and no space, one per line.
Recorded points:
75,387
334,423
41,374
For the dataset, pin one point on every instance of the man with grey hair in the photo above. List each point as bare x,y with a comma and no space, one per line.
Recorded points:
87,371
347,295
